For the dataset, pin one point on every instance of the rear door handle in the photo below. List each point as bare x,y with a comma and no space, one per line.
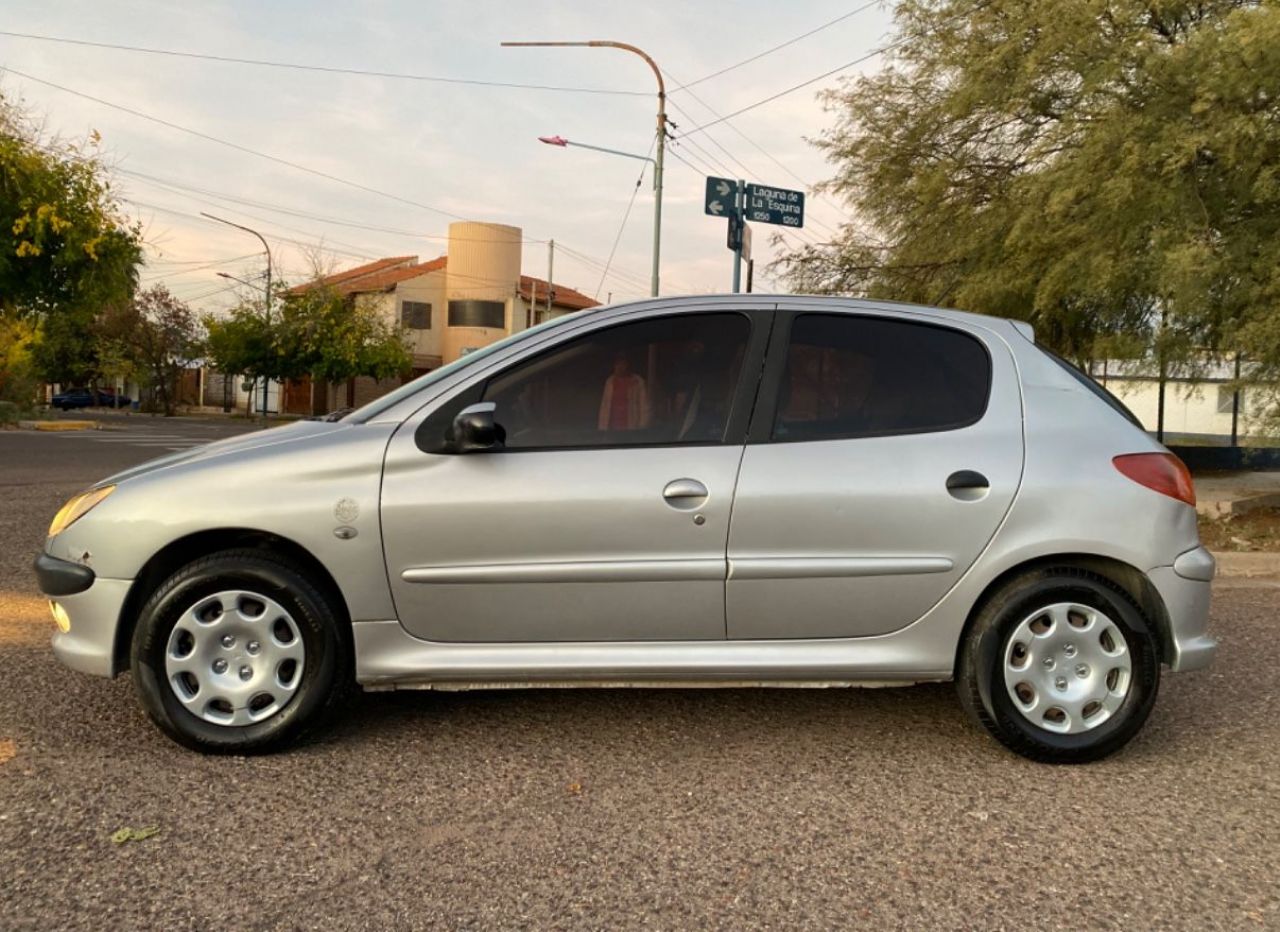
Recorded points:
968,485
685,493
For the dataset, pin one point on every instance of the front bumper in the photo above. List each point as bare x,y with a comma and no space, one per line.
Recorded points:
93,604
1184,588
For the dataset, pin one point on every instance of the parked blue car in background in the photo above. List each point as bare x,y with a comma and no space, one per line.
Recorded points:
89,398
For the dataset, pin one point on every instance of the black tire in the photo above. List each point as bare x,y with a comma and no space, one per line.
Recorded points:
326,674
980,673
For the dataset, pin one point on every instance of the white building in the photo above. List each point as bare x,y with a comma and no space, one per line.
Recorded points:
1196,404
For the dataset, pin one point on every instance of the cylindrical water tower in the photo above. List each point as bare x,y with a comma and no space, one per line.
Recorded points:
483,275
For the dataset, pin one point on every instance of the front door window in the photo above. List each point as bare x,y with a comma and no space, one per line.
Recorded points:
662,381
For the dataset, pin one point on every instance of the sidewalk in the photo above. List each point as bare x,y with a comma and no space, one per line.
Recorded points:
1247,565
1235,493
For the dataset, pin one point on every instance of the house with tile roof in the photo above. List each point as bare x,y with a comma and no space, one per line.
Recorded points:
470,297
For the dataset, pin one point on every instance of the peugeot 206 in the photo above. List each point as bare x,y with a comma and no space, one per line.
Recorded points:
711,491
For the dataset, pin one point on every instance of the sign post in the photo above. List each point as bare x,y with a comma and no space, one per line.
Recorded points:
740,201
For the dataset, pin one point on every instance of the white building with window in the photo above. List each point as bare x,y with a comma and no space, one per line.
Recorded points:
1197,404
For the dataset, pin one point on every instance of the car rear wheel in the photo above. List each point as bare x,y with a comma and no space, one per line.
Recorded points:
239,652
1060,666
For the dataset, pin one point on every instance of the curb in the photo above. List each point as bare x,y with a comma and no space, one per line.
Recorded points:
58,425
1246,565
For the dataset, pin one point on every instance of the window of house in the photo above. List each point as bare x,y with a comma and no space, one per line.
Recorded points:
416,315
849,376
474,313
1226,398
660,381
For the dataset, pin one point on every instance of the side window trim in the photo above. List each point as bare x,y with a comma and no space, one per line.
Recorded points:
745,396
775,371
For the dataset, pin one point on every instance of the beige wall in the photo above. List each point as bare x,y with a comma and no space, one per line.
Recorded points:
1189,408
431,289
484,265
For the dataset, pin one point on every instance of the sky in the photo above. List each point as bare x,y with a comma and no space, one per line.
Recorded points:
441,151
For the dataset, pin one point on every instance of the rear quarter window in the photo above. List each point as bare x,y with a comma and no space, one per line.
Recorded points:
1094,387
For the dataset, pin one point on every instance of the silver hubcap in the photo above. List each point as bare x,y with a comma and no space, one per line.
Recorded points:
235,658
1067,668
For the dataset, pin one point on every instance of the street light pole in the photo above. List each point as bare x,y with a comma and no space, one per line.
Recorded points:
241,281
562,142
661,133
266,382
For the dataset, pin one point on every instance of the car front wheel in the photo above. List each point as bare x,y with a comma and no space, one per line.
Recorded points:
1060,666
238,652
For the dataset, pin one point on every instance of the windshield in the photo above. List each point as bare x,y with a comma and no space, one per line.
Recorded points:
384,402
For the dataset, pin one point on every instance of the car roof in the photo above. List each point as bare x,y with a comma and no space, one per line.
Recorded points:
837,303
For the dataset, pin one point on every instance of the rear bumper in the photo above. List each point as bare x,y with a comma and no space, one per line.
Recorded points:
93,604
1185,590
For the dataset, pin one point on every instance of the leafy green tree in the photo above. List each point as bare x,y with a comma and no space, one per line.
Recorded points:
334,339
316,332
155,335
65,246
243,343
17,373
1106,169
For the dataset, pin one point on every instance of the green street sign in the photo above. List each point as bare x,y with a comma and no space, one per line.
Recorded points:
767,204
722,195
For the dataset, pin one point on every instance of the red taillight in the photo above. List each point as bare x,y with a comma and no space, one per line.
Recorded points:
1160,472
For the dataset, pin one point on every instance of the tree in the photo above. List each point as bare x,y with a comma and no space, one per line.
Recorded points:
243,343
1107,169
17,376
333,338
157,336
316,332
65,246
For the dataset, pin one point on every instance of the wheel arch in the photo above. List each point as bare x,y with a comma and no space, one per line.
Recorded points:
178,553
1129,578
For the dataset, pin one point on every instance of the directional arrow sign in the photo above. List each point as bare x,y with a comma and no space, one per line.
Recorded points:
766,204
721,196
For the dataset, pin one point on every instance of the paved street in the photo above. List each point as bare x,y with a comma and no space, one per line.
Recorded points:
627,808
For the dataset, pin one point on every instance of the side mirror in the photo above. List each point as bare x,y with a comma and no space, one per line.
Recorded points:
475,431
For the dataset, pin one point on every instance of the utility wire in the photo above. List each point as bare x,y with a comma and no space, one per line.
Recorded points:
339,180
293,66
743,171
778,47
867,56
803,84
236,146
294,212
625,216
808,186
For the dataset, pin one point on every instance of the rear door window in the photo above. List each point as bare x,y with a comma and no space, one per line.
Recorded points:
848,376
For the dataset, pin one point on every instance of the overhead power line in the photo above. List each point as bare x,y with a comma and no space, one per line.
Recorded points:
294,165
778,47
169,184
626,215
809,186
803,84
867,56
236,146
328,69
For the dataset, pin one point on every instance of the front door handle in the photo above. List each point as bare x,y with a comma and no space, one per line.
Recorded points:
968,485
685,493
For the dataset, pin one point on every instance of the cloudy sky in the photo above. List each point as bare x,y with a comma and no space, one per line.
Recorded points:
442,151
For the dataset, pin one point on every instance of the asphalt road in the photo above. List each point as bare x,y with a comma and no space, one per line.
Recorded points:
667,809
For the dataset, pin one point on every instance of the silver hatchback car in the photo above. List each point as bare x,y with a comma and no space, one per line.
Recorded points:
712,491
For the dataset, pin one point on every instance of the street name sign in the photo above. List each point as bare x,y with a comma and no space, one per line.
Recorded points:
722,197
765,204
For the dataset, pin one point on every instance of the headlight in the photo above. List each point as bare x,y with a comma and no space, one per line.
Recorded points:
75,509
